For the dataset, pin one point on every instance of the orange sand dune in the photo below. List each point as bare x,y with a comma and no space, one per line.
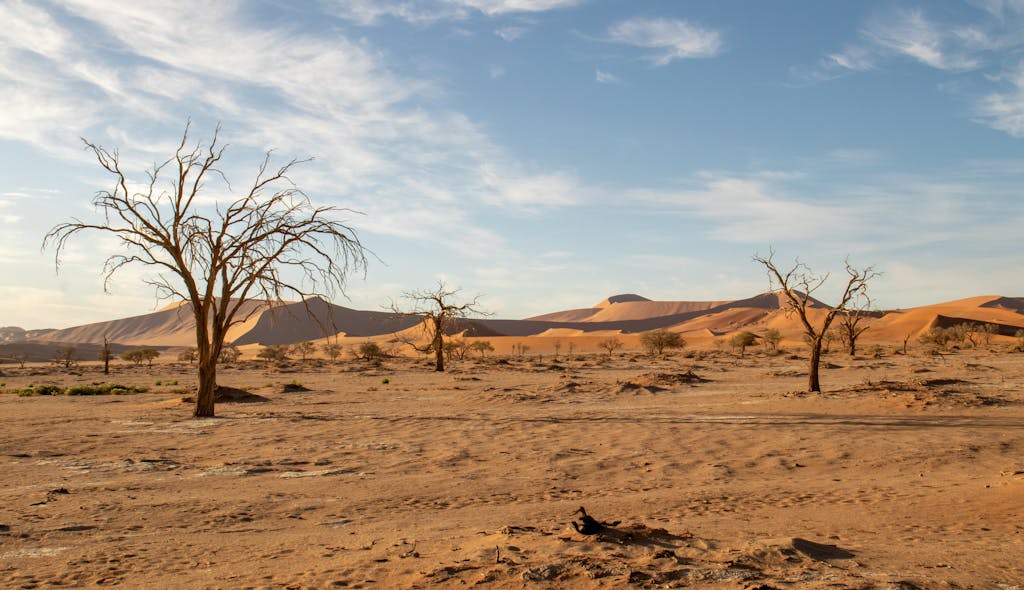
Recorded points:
172,326
622,314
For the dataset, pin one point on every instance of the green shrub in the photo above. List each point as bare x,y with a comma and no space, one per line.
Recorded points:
41,390
104,389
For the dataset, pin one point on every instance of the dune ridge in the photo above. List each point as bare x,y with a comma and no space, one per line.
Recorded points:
315,318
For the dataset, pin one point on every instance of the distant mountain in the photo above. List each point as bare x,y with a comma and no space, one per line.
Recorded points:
626,314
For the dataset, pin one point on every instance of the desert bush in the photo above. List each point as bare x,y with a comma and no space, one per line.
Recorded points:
188,355
741,340
103,389
273,353
140,355
456,349
520,349
41,390
482,346
303,349
65,356
229,354
771,338
332,350
939,338
610,345
368,351
656,341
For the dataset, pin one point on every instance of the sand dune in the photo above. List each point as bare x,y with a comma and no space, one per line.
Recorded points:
701,321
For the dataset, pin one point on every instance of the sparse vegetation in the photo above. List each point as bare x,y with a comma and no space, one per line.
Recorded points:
741,340
103,389
799,284
188,355
456,349
140,355
482,346
610,345
332,350
65,356
851,325
771,339
217,259
304,350
273,353
439,313
656,341
369,351
106,355
229,354
79,390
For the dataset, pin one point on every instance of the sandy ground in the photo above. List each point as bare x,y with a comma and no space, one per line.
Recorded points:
908,472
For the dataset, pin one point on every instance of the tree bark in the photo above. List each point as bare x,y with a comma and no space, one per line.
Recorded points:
438,346
207,393
812,372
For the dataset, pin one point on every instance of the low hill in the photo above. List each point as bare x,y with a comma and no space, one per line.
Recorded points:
621,314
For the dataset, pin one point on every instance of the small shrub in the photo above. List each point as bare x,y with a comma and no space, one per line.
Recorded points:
385,381
41,390
104,389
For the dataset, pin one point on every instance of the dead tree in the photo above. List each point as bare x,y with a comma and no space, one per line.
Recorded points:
798,285
440,313
106,355
851,322
268,245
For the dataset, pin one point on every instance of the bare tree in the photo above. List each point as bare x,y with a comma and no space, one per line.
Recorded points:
65,356
188,355
610,344
851,321
333,350
268,245
440,313
797,285
229,354
304,349
106,355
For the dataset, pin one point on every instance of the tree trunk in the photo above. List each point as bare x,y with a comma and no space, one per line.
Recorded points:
207,394
438,347
812,373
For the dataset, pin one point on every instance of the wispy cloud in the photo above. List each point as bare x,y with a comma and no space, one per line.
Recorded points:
604,77
427,12
511,32
910,34
756,208
956,48
671,38
121,73
906,34
1004,110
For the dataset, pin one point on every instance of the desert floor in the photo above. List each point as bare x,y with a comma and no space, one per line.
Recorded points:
908,472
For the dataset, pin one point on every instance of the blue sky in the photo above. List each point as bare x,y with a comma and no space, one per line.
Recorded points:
543,153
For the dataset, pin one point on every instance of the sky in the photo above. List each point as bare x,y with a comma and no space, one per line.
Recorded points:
544,154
